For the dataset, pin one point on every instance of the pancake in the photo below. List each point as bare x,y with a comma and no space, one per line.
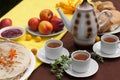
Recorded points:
14,60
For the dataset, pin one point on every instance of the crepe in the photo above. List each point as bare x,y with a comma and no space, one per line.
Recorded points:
17,64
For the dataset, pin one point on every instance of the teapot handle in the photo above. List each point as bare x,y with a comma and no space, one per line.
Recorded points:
107,20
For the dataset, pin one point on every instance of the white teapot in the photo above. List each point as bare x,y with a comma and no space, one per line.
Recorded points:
84,24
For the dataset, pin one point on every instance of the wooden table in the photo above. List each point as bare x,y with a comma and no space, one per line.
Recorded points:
109,70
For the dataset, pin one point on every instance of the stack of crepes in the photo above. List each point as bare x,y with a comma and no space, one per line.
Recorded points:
14,60
114,21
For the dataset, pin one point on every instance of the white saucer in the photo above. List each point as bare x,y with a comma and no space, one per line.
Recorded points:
92,70
96,49
43,58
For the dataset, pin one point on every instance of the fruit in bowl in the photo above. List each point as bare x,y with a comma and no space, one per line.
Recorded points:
48,24
12,32
5,22
33,23
46,14
45,27
57,24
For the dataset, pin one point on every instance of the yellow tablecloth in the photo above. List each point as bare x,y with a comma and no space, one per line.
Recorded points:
26,9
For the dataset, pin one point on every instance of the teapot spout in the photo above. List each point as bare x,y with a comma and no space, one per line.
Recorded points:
64,18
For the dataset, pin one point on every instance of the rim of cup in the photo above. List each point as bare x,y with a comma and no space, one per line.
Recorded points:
54,40
89,55
109,36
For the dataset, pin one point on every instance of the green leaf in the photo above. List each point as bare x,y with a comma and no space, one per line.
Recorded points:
60,65
97,57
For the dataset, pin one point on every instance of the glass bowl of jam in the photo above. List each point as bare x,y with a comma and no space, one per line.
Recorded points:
12,32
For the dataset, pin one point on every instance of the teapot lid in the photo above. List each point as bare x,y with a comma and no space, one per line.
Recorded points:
85,5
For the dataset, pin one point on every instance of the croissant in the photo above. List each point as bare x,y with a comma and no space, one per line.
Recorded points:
106,5
114,21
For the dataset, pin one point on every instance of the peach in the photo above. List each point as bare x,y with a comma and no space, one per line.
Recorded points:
45,27
57,24
33,23
5,22
46,14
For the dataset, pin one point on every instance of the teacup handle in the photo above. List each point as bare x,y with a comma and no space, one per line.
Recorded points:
118,44
107,20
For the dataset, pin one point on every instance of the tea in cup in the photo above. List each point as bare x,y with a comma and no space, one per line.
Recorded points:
109,44
53,48
80,61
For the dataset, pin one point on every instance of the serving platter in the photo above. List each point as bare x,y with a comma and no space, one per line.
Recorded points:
39,34
30,68
117,30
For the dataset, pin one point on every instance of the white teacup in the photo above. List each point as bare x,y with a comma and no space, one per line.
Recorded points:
109,44
53,48
80,61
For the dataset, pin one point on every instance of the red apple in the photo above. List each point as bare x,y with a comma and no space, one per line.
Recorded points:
57,24
55,16
45,27
5,22
46,14
33,23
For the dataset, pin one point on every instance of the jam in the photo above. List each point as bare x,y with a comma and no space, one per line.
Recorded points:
11,33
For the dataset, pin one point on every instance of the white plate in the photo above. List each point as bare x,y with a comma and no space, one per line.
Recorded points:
112,32
12,27
92,70
38,33
43,58
30,68
96,49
